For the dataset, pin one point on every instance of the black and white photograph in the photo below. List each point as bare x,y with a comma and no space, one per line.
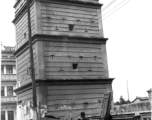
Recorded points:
76,60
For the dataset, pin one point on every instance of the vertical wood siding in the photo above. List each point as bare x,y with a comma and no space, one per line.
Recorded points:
23,64
68,101
59,57
60,15
22,28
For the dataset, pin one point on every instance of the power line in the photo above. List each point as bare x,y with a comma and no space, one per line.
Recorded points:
109,5
114,7
109,14
99,12
98,21
104,8
95,14
117,9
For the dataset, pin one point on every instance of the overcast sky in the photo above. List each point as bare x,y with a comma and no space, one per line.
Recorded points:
129,46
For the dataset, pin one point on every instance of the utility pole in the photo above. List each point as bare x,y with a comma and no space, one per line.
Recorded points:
31,62
127,90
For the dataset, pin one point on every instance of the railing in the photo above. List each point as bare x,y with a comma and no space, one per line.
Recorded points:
8,77
145,115
6,99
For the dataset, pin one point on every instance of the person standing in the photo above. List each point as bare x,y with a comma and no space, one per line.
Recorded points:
83,117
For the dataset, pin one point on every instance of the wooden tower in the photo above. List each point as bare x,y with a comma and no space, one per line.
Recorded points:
70,57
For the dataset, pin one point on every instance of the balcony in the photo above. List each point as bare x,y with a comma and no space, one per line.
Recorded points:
8,99
8,77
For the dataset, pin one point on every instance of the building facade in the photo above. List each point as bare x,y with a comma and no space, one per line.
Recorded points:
70,58
8,84
141,106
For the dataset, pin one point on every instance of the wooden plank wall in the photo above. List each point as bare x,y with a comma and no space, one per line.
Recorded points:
59,57
23,64
60,15
25,96
68,101
19,6
22,27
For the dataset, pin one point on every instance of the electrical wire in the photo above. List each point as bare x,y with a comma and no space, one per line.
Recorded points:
97,22
99,12
114,7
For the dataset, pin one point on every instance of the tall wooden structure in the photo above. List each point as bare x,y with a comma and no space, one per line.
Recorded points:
70,57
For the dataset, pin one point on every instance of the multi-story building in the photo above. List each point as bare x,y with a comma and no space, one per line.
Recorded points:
8,84
70,58
141,106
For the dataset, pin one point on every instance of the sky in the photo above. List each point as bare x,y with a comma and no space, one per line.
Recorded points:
129,46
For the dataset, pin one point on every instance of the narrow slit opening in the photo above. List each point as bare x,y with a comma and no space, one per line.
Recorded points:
24,35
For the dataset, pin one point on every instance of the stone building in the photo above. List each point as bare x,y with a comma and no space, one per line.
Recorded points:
8,84
70,58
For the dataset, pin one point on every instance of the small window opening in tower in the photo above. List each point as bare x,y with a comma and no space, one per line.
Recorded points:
61,70
95,57
71,27
48,18
81,57
69,56
78,21
24,35
52,56
75,65
28,71
90,69
86,30
56,28
63,19
92,22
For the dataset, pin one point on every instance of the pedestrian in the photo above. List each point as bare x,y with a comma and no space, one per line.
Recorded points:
83,117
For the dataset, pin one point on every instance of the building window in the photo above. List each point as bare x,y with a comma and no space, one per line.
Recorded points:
9,90
9,69
75,65
2,69
71,27
10,115
2,91
2,115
